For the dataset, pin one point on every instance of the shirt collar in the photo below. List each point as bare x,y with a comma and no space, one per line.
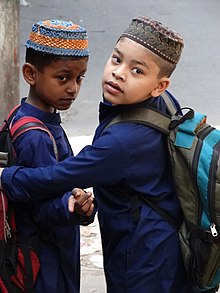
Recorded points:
46,117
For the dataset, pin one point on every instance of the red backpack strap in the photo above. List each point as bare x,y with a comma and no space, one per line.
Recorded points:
27,123
10,116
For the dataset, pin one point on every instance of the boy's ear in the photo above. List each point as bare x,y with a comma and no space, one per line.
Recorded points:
29,73
161,86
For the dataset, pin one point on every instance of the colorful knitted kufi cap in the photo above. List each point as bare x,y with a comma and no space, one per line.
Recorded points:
156,37
59,37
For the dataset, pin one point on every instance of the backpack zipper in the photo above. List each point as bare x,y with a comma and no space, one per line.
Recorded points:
211,189
7,232
213,230
7,229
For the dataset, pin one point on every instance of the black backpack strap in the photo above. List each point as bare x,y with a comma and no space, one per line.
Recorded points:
27,123
137,197
171,220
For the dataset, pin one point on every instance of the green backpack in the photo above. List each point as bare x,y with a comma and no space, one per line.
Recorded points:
194,149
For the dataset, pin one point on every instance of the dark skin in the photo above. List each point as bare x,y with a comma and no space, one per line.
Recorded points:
56,86
81,202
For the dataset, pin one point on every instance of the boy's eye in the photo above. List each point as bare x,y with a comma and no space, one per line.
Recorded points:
116,59
62,78
137,70
80,77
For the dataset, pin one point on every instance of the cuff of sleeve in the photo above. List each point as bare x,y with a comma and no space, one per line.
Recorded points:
12,188
7,175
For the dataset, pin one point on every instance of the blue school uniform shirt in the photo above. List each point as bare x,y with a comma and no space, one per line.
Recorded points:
50,221
140,255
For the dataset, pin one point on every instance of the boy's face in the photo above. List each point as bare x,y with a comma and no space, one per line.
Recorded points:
131,74
57,85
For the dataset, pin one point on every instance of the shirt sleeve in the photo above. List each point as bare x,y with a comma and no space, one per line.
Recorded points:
96,164
55,212
34,149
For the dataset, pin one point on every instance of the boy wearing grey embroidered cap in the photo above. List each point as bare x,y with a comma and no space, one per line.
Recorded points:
157,38
56,62
141,249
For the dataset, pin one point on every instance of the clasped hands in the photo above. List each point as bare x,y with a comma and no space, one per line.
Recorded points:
81,202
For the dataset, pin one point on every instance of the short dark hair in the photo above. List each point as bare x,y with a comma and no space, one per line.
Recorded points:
166,68
41,59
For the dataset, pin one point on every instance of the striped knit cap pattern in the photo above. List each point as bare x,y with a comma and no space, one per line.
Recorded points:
156,37
59,37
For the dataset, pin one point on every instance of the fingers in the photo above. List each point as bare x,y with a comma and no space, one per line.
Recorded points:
81,195
76,192
90,210
81,202
86,208
71,204
87,196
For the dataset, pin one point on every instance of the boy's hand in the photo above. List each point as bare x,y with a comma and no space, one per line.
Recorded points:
81,202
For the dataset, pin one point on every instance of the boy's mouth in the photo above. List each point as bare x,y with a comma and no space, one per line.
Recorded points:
113,86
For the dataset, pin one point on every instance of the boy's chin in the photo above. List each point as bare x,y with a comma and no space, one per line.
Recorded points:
108,102
63,108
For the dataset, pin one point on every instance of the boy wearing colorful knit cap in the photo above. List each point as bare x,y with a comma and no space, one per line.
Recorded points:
56,62
141,249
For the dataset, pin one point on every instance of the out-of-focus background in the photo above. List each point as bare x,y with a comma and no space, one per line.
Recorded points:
195,81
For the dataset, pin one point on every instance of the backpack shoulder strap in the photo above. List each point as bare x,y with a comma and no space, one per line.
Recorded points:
146,116
149,116
27,123
170,219
169,103
9,117
159,121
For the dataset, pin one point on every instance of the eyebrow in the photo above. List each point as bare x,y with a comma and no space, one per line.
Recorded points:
133,61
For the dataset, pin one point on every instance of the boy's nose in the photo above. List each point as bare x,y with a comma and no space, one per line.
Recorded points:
72,88
119,73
